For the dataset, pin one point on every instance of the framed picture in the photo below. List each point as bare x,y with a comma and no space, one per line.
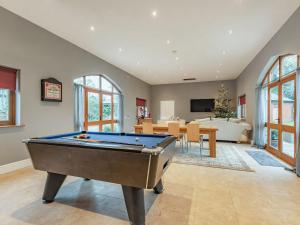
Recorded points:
51,90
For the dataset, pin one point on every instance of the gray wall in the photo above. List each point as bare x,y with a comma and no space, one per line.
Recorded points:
286,40
183,93
39,54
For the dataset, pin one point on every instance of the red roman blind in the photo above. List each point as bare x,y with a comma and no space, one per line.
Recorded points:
140,102
242,100
8,78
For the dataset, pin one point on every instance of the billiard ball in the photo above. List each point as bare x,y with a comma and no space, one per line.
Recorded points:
82,136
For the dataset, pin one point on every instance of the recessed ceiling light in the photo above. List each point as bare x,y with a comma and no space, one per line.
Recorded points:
177,58
218,71
168,42
220,64
138,63
230,32
224,52
154,13
120,50
92,28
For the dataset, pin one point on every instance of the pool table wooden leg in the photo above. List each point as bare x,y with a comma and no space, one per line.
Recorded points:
53,183
159,188
134,200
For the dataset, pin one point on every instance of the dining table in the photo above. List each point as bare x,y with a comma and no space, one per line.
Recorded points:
206,130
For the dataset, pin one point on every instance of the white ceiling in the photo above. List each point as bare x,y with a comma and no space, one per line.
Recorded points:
214,39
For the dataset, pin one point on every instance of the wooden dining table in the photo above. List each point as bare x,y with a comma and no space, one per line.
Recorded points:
163,128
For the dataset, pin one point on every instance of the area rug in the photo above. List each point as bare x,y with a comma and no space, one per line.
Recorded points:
264,159
228,157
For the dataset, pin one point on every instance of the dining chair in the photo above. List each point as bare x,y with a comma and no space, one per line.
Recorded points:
146,120
174,130
193,136
147,128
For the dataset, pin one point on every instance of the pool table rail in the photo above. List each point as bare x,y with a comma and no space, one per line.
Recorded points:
100,146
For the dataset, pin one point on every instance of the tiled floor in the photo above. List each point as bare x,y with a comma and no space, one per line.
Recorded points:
193,196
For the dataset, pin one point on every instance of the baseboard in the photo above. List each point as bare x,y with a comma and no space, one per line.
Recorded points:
15,166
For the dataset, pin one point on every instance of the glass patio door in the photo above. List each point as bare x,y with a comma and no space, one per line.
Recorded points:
92,110
274,117
106,113
279,92
281,119
288,118
102,111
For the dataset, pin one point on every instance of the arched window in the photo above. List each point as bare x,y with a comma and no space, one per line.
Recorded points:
279,91
102,104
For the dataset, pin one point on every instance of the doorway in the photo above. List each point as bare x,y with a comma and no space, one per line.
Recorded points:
281,105
102,104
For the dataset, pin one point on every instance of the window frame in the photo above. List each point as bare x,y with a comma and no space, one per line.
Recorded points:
114,86
278,60
242,114
115,90
281,77
291,72
12,111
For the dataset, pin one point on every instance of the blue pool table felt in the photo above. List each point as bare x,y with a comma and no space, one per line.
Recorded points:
149,141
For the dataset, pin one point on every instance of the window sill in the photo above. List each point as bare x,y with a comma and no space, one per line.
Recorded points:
12,126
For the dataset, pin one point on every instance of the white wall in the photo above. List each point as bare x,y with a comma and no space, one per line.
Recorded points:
39,54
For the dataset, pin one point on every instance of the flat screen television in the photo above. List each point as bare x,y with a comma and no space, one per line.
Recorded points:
202,105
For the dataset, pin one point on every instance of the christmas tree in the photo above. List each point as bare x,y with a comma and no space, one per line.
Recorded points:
223,107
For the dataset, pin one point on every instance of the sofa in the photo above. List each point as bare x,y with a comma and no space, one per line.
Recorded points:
228,130
180,121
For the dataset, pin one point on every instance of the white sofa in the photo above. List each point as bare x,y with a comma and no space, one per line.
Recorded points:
232,130
181,122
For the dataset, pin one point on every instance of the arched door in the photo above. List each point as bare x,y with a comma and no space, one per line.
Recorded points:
281,104
102,109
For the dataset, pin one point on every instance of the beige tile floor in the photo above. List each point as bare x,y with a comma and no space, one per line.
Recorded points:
193,196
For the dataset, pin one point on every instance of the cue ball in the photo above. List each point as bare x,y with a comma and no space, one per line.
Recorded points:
137,139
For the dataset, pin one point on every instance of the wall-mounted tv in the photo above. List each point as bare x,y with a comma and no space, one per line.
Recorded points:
202,105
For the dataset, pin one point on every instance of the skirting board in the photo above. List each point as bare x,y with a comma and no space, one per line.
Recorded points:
15,166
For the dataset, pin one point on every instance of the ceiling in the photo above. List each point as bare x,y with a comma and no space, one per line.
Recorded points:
164,41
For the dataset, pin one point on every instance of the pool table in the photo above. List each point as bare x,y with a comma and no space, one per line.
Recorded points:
135,161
